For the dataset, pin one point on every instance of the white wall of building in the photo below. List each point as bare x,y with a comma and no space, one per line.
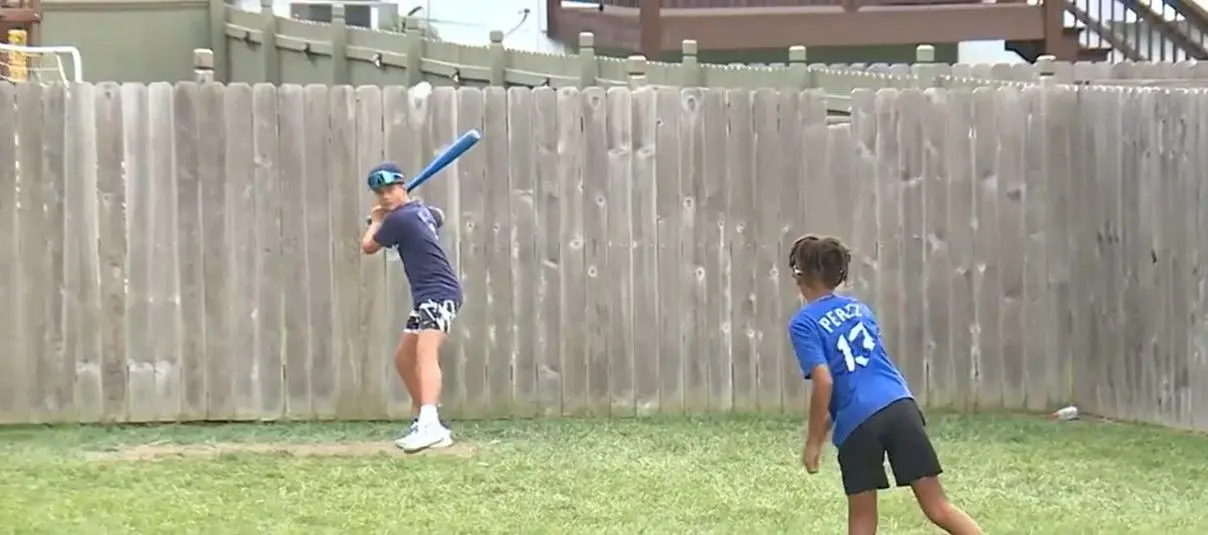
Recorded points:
469,21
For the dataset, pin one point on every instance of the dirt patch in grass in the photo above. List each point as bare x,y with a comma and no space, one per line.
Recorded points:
153,452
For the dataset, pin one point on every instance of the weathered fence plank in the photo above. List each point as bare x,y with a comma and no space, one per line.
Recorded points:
471,258
622,251
987,279
691,273
59,385
239,274
618,197
13,371
163,298
318,185
669,216
401,142
780,192
145,394
936,247
573,270
189,249
441,127
81,277
1122,211
500,347
216,259
1176,202
291,169
915,357
595,213
1197,221
548,200
818,165
375,346
713,327
31,235
768,341
1146,186
1056,111
1116,330
889,221
112,250
347,212
962,221
525,320
1010,250
1094,219
1101,219
647,361
741,245
864,225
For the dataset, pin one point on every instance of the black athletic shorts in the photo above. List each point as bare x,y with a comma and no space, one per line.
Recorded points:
433,315
897,431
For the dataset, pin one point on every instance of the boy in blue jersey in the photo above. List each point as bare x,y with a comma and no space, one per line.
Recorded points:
858,389
409,227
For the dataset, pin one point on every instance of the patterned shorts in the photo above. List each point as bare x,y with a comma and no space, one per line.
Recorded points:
432,315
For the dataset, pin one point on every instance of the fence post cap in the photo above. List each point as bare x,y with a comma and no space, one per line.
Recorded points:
636,63
411,23
203,58
587,39
924,54
1044,65
689,47
496,36
797,54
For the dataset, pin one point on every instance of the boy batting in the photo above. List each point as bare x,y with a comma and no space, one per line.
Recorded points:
410,228
858,389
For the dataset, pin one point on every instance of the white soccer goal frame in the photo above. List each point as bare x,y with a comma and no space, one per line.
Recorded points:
77,66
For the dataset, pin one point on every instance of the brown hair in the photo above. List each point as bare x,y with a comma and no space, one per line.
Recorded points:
819,260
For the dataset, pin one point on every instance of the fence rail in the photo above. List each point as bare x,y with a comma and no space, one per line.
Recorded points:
189,252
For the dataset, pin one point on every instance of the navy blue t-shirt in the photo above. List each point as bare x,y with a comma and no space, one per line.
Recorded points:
841,333
411,231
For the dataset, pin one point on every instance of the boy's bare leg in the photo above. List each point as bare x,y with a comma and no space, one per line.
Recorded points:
862,513
930,495
407,367
429,432
427,356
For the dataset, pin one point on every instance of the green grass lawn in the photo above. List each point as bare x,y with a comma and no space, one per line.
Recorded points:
662,475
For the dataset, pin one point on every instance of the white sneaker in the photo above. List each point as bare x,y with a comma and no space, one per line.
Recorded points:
410,429
423,437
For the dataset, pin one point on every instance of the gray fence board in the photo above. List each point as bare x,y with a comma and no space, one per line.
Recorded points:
190,252
13,375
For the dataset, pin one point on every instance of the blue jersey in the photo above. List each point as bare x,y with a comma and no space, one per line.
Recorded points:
841,333
411,231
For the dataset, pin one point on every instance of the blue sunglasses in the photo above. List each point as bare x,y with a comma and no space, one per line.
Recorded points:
380,179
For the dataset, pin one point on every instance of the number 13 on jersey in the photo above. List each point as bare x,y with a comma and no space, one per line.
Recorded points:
864,343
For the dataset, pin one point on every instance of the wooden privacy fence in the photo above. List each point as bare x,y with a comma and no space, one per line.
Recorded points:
190,252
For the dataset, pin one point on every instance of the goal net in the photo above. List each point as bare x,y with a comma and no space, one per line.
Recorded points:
42,64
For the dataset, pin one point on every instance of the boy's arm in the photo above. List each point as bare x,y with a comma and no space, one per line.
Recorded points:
368,244
819,417
383,231
808,346
438,216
